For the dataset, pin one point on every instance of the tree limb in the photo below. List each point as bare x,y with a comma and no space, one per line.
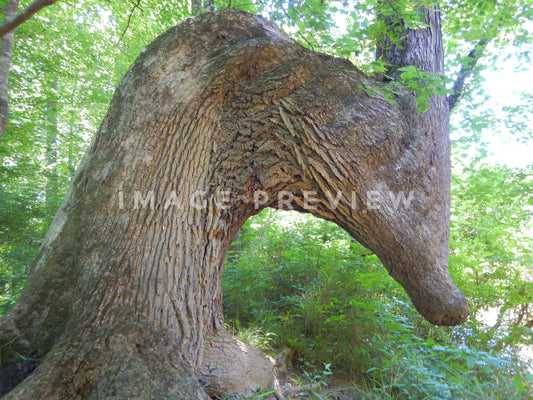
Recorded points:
6,53
25,15
466,70
132,11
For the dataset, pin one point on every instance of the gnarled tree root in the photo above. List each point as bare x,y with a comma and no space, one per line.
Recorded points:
233,369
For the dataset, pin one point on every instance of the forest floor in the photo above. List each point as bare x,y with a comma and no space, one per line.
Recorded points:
299,385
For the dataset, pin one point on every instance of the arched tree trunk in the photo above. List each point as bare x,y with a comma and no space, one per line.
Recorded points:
218,118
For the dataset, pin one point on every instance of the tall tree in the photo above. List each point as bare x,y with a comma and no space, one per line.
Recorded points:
6,53
218,118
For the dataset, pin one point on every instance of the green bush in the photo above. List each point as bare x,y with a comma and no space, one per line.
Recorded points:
303,283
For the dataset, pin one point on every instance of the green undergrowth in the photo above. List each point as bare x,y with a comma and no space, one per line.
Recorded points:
305,287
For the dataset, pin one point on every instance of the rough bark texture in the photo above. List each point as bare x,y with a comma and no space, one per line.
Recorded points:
226,376
6,54
126,288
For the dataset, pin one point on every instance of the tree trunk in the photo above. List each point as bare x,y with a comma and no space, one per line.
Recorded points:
218,118
6,53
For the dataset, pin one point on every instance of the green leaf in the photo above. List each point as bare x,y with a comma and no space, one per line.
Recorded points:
470,362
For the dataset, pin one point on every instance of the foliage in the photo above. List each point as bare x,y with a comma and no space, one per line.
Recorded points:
51,107
492,250
440,369
307,285
319,293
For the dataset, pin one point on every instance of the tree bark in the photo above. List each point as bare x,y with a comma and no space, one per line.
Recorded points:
125,291
6,54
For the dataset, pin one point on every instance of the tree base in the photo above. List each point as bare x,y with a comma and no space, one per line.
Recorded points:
232,369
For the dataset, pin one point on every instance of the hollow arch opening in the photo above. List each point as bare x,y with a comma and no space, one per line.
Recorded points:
301,288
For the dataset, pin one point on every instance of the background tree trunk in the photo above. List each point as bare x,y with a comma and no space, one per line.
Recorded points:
6,53
125,291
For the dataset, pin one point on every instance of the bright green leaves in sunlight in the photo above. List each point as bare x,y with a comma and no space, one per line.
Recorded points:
412,80
424,85
491,247
311,22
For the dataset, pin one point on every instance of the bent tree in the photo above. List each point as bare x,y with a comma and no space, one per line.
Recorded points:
214,120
